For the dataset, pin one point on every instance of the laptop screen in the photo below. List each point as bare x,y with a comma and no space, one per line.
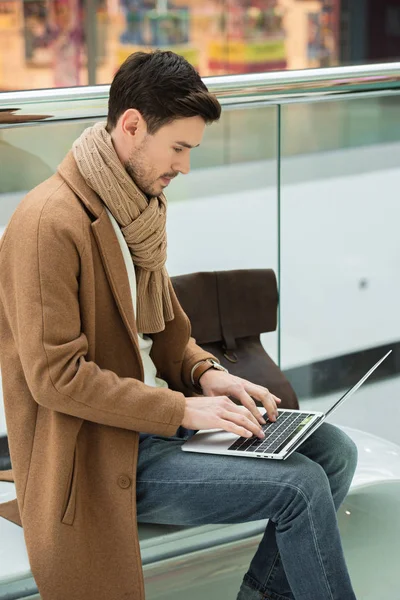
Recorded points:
355,387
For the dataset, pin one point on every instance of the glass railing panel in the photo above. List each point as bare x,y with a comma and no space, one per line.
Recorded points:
339,254
28,155
329,125
223,215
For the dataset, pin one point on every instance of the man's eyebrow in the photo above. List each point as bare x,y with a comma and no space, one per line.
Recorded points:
186,145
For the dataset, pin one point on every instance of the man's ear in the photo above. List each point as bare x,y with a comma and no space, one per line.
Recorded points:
131,121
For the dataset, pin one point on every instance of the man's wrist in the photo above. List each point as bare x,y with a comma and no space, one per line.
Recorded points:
202,367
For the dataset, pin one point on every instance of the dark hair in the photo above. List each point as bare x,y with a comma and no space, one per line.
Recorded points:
163,87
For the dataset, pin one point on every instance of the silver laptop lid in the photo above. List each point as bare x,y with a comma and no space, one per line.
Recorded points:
356,386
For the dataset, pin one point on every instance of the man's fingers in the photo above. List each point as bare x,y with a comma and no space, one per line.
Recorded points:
259,393
239,408
233,424
233,428
243,422
249,403
267,400
256,419
277,400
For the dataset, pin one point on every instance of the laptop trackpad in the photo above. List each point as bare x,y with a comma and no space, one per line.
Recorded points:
211,440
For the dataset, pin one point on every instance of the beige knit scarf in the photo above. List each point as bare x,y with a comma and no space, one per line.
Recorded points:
142,222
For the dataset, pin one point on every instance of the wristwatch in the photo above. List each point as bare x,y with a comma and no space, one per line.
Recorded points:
201,367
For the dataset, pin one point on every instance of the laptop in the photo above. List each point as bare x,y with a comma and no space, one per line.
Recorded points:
282,437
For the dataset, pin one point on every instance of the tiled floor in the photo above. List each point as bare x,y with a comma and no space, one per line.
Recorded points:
369,523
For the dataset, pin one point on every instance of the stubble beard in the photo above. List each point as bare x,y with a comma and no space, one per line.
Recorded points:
137,173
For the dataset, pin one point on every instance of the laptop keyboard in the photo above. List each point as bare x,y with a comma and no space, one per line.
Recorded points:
276,434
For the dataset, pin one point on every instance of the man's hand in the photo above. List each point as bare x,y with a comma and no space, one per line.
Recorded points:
220,412
218,383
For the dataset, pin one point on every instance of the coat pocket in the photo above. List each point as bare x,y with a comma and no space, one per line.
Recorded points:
68,513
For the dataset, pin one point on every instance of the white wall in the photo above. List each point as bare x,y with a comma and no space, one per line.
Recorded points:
340,289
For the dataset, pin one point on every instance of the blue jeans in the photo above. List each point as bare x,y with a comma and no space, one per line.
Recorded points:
300,556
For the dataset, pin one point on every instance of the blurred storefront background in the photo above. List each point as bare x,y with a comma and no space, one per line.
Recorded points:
58,43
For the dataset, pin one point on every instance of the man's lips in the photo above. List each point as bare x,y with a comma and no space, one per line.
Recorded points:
166,180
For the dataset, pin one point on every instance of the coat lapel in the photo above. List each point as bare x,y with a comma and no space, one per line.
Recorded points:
113,261
108,245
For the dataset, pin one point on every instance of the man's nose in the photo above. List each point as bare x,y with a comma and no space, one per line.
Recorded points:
182,165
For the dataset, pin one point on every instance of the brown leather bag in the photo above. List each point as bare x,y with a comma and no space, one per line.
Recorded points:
228,311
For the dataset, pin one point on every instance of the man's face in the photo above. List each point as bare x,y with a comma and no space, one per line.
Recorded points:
156,159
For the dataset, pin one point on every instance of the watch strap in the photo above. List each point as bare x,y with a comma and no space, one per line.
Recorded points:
202,367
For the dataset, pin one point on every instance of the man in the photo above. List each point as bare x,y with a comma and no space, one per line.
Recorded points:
99,373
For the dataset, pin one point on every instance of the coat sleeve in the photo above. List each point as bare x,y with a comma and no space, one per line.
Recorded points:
40,264
193,352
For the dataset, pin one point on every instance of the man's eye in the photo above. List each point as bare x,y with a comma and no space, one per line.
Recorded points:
178,149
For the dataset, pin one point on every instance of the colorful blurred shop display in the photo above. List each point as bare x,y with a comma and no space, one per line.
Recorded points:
66,22
159,24
330,15
10,23
323,42
42,41
53,34
37,33
9,17
252,38
313,36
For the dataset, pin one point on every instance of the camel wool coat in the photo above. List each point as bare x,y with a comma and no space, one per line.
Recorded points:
74,393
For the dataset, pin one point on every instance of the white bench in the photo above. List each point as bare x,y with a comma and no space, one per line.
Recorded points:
379,462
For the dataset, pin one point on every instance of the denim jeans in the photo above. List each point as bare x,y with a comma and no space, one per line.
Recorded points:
300,556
